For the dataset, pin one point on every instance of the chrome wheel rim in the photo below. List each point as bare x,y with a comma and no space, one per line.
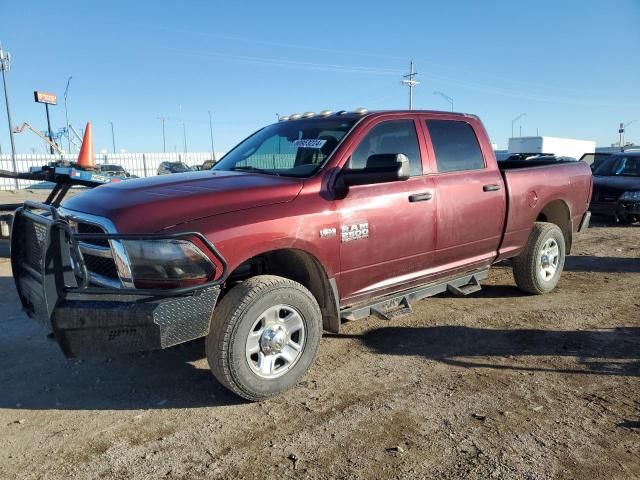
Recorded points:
276,341
549,259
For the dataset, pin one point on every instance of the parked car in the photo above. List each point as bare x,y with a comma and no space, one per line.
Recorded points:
594,159
173,167
307,222
616,187
207,165
114,171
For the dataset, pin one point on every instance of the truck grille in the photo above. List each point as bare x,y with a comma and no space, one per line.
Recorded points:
91,228
102,266
97,255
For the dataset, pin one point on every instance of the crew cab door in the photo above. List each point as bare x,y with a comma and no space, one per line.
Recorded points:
470,190
387,230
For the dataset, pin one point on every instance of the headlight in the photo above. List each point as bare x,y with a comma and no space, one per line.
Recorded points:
167,263
633,196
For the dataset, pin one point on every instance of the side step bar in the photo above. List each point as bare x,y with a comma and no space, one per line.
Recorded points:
395,306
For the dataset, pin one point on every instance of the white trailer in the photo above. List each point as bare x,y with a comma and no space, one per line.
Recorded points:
561,147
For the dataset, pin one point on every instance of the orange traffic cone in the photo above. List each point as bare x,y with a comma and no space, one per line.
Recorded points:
86,158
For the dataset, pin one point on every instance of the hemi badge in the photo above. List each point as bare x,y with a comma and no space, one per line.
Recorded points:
328,232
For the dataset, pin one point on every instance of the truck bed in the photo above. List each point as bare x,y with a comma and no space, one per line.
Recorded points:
561,188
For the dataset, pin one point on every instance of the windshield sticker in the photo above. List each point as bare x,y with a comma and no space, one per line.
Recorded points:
309,143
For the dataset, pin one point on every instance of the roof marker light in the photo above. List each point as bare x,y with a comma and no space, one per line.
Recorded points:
295,116
325,113
283,118
360,111
308,115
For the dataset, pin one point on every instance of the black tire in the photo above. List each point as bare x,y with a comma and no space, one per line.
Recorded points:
232,322
527,267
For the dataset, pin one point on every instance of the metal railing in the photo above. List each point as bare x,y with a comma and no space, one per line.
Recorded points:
139,164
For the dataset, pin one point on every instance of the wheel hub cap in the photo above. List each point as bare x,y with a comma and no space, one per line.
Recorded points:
549,259
273,340
276,341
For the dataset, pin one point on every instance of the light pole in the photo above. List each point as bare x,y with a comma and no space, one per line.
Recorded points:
5,62
113,138
446,97
184,136
164,140
213,152
513,122
66,115
623,127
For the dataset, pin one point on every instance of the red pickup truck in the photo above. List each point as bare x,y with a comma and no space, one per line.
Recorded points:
308,222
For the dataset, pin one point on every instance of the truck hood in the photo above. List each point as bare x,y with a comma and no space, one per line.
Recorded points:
155,203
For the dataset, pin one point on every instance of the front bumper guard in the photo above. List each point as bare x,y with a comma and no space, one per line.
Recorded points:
53,285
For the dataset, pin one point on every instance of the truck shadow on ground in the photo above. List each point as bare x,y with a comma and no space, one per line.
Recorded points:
34,374
156,380
604,352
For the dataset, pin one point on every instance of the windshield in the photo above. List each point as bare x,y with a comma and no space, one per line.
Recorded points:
619,165
294,148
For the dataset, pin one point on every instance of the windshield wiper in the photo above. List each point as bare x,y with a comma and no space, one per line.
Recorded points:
248,168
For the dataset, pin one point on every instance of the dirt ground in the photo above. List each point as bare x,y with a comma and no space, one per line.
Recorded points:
495,385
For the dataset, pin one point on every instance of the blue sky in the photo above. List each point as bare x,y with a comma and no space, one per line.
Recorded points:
572,66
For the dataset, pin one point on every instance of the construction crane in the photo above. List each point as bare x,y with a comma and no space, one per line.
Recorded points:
21,128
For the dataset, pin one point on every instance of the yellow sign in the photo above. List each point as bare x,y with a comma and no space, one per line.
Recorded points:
45,97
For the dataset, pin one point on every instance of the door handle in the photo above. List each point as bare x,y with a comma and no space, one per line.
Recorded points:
494,187
420,197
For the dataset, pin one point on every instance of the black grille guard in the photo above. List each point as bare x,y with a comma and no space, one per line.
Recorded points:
54,222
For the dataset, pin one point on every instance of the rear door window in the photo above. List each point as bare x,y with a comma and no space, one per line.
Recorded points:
456,146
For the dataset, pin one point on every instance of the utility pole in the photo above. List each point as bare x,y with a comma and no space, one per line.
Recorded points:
410,82
5,62
446,97
184,135
50,132
164,141
513,122
113,138
213,152
66,115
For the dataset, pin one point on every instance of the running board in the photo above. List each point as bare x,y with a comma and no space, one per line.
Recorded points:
395,306
471,287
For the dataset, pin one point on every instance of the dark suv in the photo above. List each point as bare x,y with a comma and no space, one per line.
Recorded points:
616,187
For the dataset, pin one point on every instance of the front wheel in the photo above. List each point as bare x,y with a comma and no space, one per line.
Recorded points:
537,269
264,336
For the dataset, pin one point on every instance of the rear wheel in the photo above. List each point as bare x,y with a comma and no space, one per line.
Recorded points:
264,336
537,269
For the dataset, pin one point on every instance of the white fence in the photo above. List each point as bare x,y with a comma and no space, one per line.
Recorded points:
140,164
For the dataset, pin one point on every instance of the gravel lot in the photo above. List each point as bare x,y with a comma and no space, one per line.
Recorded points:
495,385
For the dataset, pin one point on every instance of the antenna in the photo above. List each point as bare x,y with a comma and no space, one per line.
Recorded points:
410,82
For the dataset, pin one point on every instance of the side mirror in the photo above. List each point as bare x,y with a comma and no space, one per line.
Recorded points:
381,168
